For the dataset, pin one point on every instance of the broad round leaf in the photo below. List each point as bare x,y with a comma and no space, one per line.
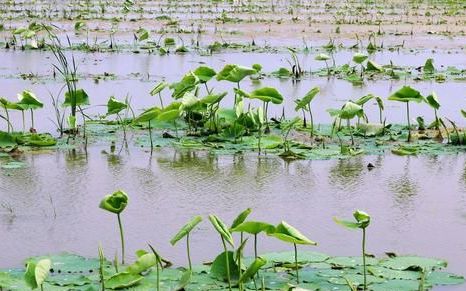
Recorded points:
234,73
351,110
287,233
115,106
359,58
204,73
322,57
28,100
122,280
267,94
254,227
81,98
432,100
406,94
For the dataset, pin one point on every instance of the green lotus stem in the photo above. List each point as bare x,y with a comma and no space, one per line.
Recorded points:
227,262
158,275
364,256
187,249
122,239
24,122
8,120
150,137
32,118
296,262
255,246
380,114
312,121
122,126
409,122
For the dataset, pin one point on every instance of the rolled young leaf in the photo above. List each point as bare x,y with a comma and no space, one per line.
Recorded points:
186,229
115,202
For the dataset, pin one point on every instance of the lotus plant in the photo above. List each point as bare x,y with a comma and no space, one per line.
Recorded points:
234,74
8,105
205,74
37,272
157,90
116,203
225,236
184,232
254,228
304,104
433,102
362,222
359,59
114,107
323,58
29,101
407,94
289,234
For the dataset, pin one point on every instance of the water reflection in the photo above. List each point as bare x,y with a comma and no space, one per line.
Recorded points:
404,189
347,174
173,185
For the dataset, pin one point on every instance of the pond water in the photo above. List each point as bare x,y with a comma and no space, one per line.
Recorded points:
136,74
418,204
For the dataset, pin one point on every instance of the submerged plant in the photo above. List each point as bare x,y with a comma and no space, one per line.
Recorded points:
116,203
184,232
289,234
407,94
362,222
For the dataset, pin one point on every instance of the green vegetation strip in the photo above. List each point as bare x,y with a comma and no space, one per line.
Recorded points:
318,271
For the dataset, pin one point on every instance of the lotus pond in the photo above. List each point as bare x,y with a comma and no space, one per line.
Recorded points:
232,145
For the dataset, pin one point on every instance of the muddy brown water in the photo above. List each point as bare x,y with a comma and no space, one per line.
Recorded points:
418,204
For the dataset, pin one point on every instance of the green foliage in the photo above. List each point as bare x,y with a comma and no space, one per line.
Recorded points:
115,202
186,229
